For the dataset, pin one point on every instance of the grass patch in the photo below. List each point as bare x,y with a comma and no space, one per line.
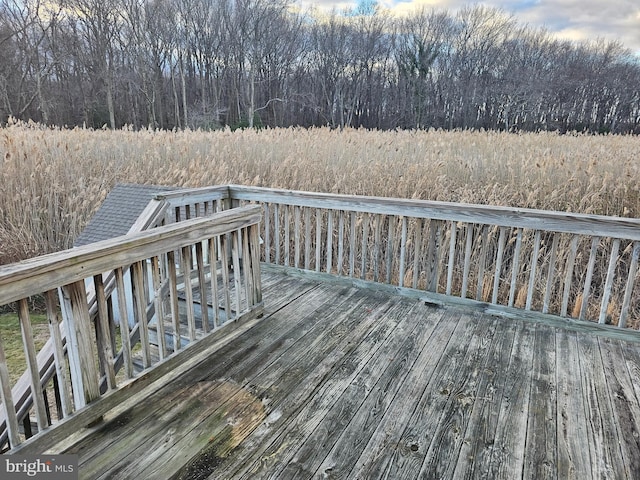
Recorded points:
12,340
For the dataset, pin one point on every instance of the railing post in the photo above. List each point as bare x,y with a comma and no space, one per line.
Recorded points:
254,245
82,355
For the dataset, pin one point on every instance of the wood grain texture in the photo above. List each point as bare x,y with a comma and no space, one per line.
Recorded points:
37,275
624,228
345,381
540,459
573,460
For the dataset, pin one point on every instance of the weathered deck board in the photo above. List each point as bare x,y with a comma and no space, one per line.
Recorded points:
540,462
573,461
293,418
603,440
341,382
480,432
329,410
626,412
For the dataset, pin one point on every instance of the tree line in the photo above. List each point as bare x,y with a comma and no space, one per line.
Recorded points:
210,63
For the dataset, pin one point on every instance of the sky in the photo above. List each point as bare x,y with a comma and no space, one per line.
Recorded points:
568,19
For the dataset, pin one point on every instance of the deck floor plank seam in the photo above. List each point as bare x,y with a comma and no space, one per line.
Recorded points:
447,442
507,452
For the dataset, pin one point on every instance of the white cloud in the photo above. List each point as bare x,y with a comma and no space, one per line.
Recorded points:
572,19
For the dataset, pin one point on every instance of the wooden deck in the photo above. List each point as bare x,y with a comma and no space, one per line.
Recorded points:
342,382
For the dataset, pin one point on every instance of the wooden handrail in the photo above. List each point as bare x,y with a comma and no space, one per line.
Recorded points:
567,222
67,271
516,257
39,274
542,262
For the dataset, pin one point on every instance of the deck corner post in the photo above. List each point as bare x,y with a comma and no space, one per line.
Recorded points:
82,365
254,245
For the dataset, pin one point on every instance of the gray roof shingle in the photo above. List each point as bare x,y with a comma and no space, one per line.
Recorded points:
119,211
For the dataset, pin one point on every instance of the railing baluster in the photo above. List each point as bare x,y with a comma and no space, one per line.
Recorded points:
613,260
318,238
515,267
287,236
416,252
467,259
188,291
550,274
202,284
307,238
329,241
124,323
502,239
390,248
452,257
571,259
296,226
246,267
276,233
224,262
7,400
595,242
377,247
403,251
352,245
32,363
532,268
628,290
80,347
213,271
482,260
255,264
103,336
365,242
267,234
173,294
340,242
235,255
140,307
433,255
159,305
58,353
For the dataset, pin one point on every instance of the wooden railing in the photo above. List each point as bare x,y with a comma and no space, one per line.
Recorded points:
504,260
207,268
569,265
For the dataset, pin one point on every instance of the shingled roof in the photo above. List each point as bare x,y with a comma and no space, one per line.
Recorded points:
119,211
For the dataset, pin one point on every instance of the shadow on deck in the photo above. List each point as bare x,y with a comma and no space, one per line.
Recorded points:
342,382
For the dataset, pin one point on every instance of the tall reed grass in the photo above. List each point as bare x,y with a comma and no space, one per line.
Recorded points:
52,180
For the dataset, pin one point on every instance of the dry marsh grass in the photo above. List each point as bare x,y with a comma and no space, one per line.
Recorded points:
52,180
